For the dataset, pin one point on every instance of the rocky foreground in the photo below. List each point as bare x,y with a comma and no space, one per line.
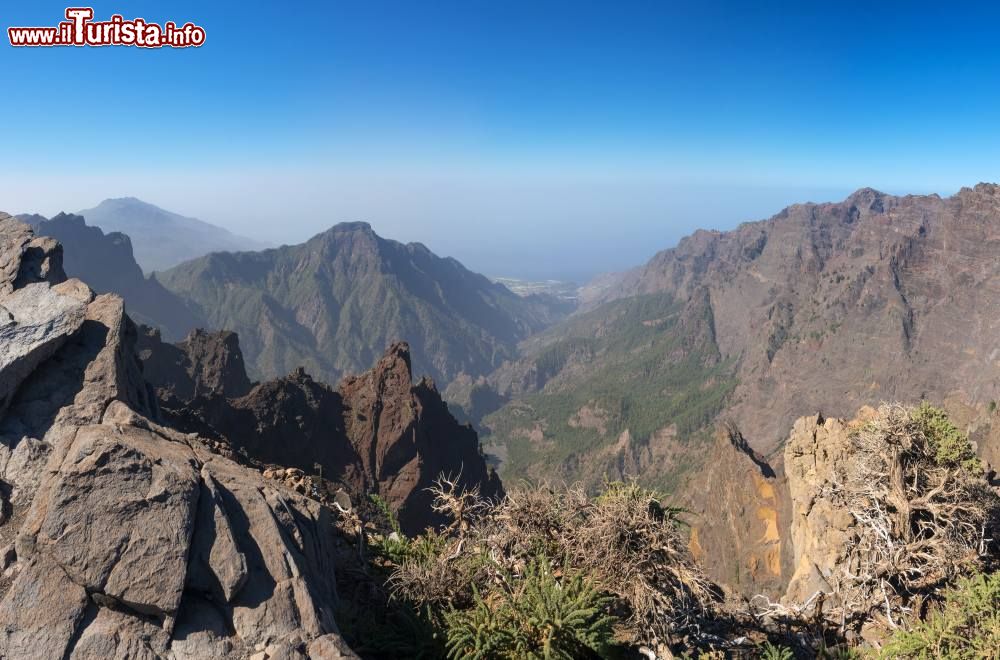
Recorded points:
121,537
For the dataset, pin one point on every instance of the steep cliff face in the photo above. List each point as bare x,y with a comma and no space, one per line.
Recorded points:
819,531
377,432
123,538
106,263
823,307
739,513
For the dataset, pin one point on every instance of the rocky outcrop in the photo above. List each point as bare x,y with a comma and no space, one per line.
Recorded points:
34,322
124,538
406,438
26,258
819,531
378,432
202,365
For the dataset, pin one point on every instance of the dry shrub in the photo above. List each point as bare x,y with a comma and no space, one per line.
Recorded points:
624,542
923,511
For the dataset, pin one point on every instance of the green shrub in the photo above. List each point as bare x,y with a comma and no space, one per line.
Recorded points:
951,446
543,617
769,651
965,627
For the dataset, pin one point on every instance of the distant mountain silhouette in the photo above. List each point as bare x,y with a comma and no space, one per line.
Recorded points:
162,239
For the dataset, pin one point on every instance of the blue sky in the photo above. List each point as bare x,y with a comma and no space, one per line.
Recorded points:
525,138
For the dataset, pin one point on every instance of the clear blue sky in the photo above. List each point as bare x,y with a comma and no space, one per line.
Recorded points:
525,138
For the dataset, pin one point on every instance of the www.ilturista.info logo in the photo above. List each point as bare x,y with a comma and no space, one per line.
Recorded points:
81,30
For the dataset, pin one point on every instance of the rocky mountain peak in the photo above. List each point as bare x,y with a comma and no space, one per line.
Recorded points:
869,198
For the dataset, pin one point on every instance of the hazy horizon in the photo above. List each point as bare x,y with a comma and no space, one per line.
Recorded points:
557,251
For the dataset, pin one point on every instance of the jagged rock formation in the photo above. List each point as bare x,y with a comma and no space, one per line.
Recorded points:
334,303
105,262
375,433
203,365
163,239
123,538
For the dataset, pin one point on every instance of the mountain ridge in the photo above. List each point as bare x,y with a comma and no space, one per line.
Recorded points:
822,307
334,302
106,262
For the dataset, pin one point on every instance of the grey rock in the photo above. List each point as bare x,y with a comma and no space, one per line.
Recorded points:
26,258
118,516
330,647
133,540
36,322
40,612
217,567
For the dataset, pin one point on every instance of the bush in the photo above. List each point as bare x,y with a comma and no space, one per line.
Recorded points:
950,446
623,559
541,617
769,651
966,626
923,513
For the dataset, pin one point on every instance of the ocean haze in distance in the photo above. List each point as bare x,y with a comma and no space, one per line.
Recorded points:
555,227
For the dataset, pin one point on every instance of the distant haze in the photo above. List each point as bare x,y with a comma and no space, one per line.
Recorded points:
550,228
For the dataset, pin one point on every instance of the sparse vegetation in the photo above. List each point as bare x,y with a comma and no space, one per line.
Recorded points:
965,627
924,515
651,364
556,573
555,569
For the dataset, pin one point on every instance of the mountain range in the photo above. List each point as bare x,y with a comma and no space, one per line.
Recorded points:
335,302
823,307
162,239
141,512
155,498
